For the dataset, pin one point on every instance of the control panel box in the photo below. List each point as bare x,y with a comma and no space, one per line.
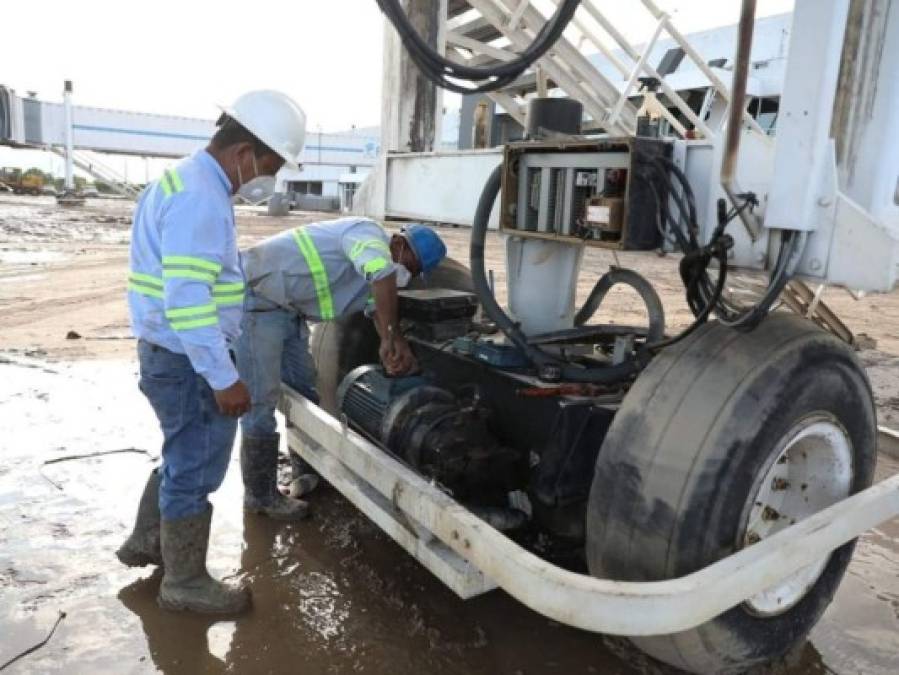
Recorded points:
596,191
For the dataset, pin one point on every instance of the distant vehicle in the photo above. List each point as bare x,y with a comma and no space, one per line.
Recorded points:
21,183
48,191
90,192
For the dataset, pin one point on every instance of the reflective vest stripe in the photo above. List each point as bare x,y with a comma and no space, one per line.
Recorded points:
145,284
183,273
235,299
185,318
317,270
374,266
171,182
186,267
145,290
359,248
176,180
185,312
228,288
189,261
188,324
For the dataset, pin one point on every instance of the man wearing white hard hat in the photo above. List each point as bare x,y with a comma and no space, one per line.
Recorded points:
186,295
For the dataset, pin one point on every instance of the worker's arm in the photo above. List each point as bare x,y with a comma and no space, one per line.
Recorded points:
193,245
366,244
395,353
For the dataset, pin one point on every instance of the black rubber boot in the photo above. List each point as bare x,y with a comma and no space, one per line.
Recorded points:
142,546
259,466
186,584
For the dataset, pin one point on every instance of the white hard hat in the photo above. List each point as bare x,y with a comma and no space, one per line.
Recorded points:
275,119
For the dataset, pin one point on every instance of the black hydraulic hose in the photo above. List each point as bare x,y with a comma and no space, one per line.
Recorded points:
548,366
685,184
438,68
619,275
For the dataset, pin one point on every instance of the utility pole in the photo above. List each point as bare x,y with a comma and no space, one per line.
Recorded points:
411,106
70,137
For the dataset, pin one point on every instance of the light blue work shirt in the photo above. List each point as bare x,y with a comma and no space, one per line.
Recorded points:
186,287
321,270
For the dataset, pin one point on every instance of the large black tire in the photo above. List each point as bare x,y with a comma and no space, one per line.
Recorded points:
686,451
340,346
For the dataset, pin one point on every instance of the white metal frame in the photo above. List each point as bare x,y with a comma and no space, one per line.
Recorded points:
418,509
574,74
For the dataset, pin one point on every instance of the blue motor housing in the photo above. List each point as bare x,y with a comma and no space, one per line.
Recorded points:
445,437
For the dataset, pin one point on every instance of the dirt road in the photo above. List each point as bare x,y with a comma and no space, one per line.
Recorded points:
333,595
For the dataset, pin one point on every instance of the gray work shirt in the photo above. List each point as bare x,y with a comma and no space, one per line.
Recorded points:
327,280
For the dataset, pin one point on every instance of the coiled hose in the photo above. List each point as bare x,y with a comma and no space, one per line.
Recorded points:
548,366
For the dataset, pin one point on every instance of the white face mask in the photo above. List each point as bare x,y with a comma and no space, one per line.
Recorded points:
403,276
256,175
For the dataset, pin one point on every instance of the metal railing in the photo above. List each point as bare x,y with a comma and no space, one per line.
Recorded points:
608,105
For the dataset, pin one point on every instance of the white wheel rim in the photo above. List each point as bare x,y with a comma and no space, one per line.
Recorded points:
811,470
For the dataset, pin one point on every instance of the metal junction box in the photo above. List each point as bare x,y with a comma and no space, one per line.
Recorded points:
590,191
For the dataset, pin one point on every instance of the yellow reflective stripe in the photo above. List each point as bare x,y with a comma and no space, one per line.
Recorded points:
166,186
374,266
181,312
188,261
145,290
208,277
359,248
146,279
228,293
228,288
317,270
194,323
229,299
175,179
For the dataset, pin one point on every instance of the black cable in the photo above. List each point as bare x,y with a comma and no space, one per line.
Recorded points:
655,311
752,317
34,648
691,273
442,71
548,366
703,296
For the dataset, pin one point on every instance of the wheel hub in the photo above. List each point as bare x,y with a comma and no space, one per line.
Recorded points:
811,470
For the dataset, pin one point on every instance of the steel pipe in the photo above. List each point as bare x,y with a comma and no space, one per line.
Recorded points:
735,117
600,605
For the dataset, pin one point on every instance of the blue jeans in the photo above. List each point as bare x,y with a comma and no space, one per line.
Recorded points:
197,438
273,347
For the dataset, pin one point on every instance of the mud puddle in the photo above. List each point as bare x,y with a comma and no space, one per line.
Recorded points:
332,595
41,220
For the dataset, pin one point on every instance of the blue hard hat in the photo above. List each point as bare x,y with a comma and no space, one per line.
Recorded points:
426,244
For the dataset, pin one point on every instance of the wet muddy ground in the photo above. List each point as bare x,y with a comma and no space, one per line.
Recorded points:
333,594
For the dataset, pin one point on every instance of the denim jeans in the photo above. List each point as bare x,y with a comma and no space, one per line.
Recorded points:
273,347
197,438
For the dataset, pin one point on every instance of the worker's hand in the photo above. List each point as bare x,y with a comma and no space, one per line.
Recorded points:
397,357
233,401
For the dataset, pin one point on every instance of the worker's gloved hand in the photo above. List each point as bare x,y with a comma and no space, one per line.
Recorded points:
397,357
233,401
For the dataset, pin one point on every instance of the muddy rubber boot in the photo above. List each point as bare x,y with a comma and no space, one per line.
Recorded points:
259,466
186,585
142,546
303,477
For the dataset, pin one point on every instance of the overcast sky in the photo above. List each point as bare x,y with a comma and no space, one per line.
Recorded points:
182,57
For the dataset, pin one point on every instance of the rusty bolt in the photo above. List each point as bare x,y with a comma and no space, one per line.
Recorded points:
752,537
780,484
770,514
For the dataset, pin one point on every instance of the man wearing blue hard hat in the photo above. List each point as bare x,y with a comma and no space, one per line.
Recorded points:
317,272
